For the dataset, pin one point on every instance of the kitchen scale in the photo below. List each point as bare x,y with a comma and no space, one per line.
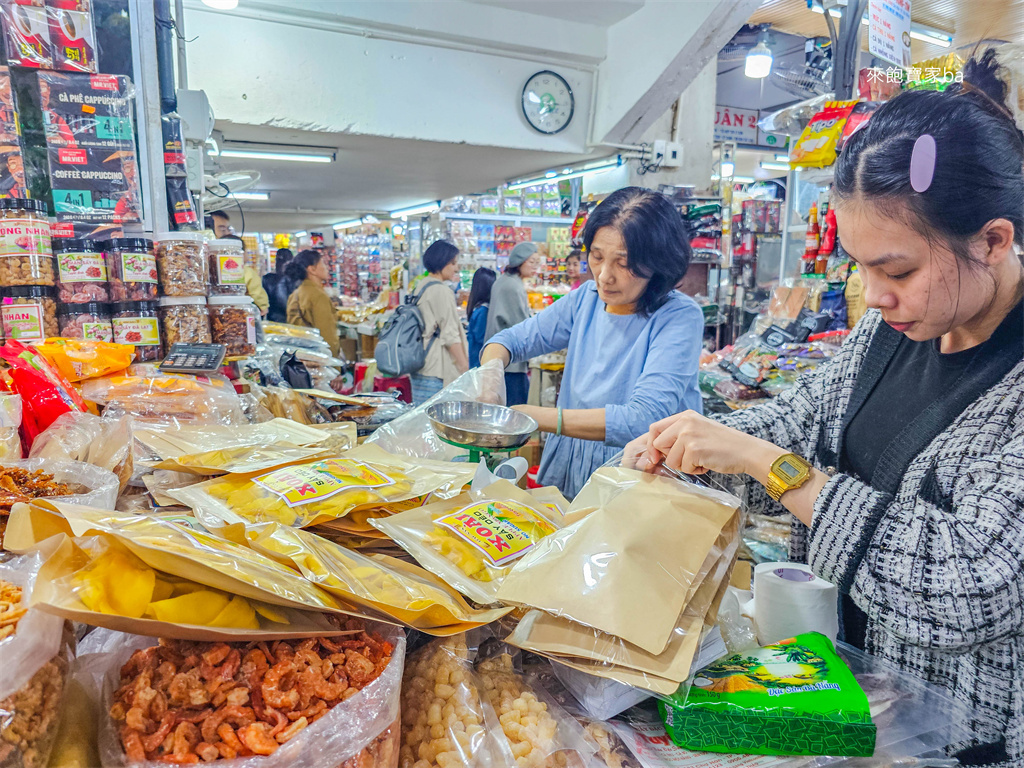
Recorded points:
483,429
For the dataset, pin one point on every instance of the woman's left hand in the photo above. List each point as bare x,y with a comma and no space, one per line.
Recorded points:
694,444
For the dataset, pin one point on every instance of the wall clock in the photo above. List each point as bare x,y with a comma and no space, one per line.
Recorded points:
548,103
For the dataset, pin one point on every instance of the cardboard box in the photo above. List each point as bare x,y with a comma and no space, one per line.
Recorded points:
349,349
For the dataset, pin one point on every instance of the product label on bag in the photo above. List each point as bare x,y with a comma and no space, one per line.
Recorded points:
320,480
140,331
230,271
82,268
23,322
25,237
138,267
501,530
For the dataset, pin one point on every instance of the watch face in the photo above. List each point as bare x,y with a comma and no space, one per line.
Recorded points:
548,103
788,470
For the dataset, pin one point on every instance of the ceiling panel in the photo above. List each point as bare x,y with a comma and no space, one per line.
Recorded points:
967,20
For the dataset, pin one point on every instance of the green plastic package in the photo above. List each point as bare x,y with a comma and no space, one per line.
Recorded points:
796,697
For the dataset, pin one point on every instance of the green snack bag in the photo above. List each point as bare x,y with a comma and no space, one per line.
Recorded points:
796,697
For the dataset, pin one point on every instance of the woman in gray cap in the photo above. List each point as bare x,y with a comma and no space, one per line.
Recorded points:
510,306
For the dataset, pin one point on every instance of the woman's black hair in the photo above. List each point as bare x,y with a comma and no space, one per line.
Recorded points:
296,270
979,154
575,253
282,259
657,246
480,291
439,255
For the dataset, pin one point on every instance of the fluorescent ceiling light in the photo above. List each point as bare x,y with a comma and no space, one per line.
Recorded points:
567,173
222,5
759,62
782,158
258,154
303,233
251,195
775,166
728,168
737,179
921,32
348,224
415,209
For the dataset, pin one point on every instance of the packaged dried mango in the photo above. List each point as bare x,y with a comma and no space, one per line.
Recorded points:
472,541
245,459
362,483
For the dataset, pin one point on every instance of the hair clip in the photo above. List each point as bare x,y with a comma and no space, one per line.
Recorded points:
922,163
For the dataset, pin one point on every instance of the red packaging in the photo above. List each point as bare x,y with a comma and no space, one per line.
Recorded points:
45,393
27,33
72,35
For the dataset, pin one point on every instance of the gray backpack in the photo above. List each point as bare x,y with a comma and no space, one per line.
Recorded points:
400,347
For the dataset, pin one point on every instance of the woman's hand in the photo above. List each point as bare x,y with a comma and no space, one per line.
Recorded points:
693,445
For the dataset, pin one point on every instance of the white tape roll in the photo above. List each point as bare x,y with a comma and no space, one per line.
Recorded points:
788,600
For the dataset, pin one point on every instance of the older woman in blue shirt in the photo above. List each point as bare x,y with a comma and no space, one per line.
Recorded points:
633,342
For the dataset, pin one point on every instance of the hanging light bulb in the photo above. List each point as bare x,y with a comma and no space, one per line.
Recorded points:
222,5
759,61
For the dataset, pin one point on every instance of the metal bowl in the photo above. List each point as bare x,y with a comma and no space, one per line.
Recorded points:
481,425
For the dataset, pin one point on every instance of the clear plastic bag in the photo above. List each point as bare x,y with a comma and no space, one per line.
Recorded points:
36,661
412,435
91,486
359,732
104,443
10,423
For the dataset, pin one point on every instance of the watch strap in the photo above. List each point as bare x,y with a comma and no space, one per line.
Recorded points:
774,487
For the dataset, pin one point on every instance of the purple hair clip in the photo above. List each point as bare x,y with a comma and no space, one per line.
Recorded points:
922,163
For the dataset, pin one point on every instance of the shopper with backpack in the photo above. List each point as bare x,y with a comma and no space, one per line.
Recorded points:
443,337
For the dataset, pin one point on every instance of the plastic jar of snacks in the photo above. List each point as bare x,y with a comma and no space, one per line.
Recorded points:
183,264
90,321
227,267
132,266
137,323
233,324
25,249
29,313
81,271
184,320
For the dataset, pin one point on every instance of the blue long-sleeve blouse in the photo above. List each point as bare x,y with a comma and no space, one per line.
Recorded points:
639,369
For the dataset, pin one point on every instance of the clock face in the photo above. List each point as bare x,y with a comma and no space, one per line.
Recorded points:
548,103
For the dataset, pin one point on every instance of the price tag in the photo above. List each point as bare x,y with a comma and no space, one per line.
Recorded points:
194,358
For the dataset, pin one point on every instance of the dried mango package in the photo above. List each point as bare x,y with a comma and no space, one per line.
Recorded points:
98,581
175,549
365,480
397,590
473,540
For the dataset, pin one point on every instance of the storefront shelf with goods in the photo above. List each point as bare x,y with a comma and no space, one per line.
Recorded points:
513,220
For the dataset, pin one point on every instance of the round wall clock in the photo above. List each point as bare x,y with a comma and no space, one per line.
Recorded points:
548,103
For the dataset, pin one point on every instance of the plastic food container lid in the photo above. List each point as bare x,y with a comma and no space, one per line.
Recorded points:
134,306
88,308
22,291
218,300
226,244
17,203
193,237
72,244
128,244
182,301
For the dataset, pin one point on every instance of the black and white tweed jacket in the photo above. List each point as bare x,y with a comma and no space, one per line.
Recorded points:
935,558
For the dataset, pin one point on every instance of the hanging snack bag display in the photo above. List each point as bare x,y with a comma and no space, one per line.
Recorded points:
816,147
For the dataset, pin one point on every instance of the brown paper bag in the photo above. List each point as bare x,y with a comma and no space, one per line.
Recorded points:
626,567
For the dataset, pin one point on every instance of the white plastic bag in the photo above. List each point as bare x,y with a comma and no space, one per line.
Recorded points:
94,486
412,435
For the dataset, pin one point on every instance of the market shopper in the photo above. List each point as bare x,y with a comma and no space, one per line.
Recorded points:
510,306
903,458
573,273
443,334
476,312
278,309
253,285
633,343
309,305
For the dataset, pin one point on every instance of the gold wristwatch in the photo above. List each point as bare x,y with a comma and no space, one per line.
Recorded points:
788,472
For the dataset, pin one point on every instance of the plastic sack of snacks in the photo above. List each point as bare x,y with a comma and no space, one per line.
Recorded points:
36,649
77,359
323,702
72,482
795,697
816,147
45,393
473,540
104,443
366,482
10,424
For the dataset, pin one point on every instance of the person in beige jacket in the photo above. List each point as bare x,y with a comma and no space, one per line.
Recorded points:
309,305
